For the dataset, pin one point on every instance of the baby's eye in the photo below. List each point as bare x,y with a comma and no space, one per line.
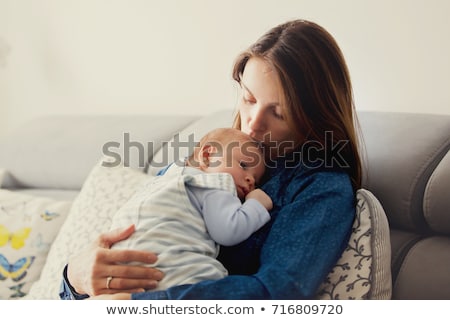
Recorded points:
243,164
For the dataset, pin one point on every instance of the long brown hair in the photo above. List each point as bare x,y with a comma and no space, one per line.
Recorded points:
316,86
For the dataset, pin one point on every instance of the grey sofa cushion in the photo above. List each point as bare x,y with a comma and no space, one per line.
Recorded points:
424,273
59,151
402,152
437,200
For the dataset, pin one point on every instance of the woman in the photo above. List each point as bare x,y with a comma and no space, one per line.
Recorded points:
297,100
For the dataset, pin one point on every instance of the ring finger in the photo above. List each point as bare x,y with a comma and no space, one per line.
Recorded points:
117,284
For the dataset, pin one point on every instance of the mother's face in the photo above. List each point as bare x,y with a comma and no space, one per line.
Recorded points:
262,115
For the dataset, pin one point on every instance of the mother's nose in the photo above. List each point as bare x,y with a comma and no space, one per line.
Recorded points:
257,121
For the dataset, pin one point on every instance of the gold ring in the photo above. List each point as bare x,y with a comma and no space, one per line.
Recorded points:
108,281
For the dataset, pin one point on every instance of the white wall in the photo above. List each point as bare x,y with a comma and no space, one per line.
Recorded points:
145,56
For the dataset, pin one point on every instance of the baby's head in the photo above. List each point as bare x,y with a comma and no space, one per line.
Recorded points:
230,151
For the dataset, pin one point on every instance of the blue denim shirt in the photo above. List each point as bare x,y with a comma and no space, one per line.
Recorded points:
290,256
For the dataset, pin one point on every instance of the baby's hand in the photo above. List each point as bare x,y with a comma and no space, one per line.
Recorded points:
262,197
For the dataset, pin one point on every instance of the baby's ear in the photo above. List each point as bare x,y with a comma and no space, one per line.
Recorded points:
212,150
206,152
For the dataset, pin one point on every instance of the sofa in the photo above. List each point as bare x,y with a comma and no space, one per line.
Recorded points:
48,165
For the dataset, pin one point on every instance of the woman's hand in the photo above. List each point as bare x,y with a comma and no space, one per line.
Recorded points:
100,270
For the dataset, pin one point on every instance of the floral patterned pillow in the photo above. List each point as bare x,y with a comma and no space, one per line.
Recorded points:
28,226
364,269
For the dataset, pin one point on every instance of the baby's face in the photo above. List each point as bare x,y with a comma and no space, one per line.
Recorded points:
244,161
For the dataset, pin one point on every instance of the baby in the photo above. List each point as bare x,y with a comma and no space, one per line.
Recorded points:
186,212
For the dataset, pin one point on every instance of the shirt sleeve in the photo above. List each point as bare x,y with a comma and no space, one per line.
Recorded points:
67,292
304,242
229,221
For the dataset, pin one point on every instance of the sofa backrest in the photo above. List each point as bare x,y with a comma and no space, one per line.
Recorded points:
408,168
407,160
58,152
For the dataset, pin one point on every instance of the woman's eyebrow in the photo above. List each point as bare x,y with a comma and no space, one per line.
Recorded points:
274,104
245,88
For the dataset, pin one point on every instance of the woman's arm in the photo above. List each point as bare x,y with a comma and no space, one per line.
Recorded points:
306,238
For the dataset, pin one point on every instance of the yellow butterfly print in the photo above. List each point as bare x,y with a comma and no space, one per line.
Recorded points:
16,271
17,238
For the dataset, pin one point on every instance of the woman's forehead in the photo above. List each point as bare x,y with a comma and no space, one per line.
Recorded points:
260,80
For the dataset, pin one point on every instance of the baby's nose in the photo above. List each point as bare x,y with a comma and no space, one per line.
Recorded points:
251,182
